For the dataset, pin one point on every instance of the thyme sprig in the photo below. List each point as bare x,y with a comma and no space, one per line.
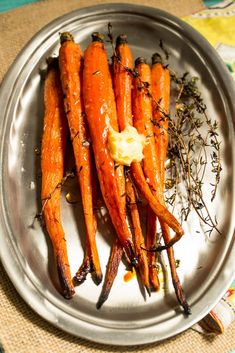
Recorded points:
192,136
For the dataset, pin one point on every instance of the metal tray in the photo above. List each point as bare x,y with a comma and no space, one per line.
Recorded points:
207,265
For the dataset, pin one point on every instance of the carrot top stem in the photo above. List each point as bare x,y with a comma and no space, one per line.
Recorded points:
97,37
65,37
157,59
140,60
121,39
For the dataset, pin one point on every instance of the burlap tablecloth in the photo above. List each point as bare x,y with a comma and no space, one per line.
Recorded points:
21,329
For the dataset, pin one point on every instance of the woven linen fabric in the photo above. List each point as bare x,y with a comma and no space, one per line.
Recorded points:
21,329
19,25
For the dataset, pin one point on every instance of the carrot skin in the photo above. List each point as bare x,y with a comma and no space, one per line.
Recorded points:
139,240
119,169
151,241
122,63
111,273
52,166
161,94
123,84
117,248
95,87
71,61
142,118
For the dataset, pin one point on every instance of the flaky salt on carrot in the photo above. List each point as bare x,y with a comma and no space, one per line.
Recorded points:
52,166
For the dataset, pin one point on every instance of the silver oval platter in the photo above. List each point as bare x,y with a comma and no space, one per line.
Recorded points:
206,263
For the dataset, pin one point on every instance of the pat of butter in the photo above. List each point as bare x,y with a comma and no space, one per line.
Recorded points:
126,146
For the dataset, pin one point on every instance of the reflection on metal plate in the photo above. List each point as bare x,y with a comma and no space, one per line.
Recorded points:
206,265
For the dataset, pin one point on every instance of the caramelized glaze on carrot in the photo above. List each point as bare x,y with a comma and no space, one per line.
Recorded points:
52,166
96,84
160,77
71,64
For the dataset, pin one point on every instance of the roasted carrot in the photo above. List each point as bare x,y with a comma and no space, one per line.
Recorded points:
123,81
122,64
71,62
111,272
142,117
159,209
119,169
139,178
52,166
117,249
96,83
160,78
151,241
138,237
161,102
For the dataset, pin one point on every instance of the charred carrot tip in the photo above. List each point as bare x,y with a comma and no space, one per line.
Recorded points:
66,36
121,39
148,290
156,59
97,37
67,288
102,299
82,273
187,309
181,296
97,278
140,60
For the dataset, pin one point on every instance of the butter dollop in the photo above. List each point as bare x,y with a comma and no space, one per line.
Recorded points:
126,146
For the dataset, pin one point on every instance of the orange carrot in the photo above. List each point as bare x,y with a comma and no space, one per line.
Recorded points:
52,166
96,85
123,82
161,101
138,235
119,169
111,272
123,62
142,117
160,210
117,249
151,241
71,61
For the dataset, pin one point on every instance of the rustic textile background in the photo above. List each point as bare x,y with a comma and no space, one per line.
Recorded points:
21,329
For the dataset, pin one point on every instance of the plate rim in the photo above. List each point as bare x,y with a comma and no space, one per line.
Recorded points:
51,26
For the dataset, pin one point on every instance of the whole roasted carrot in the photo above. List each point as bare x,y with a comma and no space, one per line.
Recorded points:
117,248
160,77
96,85
142,117
71,62
111,272
122,82
122,66
52,166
